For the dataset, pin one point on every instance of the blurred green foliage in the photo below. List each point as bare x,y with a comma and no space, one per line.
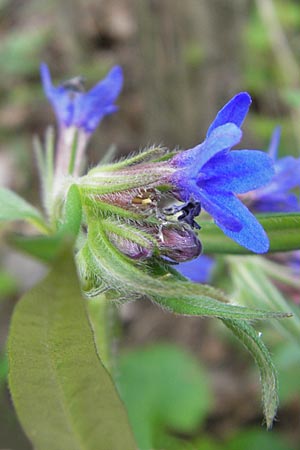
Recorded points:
263,78
164,388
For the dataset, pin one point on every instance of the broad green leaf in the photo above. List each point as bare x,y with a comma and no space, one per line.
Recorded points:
163,387
3,369
63,395
103,318
252,341
283,231
13,207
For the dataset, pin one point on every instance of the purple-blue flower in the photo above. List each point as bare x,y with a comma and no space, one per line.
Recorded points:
212,175
83,110
276,196
198,270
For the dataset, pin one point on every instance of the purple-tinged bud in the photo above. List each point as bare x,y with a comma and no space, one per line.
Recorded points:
178,243
130,248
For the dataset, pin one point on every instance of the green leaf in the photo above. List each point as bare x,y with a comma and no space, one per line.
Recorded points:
13,207
8,285
252,287
47,248
64,397
257,439
44,248
201,305
3,369
252,341
163,387
283,231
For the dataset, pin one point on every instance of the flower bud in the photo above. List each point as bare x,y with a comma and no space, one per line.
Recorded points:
178,243
130,248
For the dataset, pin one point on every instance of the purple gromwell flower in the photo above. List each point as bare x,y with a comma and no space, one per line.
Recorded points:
276,196
212,175
83,110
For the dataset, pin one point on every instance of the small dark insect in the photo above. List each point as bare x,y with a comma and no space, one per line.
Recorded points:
189,211
75,84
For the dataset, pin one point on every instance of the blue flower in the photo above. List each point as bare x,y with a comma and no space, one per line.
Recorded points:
276,196
83,110
198,270
211,174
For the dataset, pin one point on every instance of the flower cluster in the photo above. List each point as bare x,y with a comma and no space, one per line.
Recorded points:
148,204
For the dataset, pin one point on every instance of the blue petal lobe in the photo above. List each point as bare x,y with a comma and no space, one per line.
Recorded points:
274,143
46,78
234,111
276,202
98,102
221,138
251,235
287,173
199,270
60,97
217,207
238,171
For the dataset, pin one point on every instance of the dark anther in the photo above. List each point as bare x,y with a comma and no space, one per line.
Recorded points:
189,211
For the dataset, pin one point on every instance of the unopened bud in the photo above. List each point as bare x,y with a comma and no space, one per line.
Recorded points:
178,243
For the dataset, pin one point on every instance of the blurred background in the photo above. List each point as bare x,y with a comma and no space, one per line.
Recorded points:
182,61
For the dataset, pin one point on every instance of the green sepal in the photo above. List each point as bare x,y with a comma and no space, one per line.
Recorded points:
102,266
153,154
64,397
248,336
283,231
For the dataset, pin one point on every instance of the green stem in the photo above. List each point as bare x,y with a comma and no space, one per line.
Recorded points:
73,153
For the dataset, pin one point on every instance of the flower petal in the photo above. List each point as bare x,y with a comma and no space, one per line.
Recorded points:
274,143
216,206
251,234
221,138
60,97
238,171
234,111
276,202
198,270
46,78
287,173
98,102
